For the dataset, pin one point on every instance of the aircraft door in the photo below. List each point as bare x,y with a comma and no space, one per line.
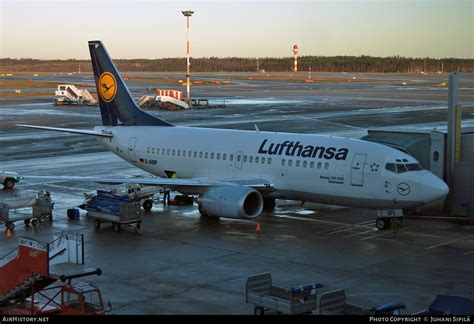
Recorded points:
132,144
238,160
357,169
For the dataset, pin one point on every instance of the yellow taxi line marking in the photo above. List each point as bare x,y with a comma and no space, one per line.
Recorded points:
371,230
369,237
347,228
448,242
400,231
309,219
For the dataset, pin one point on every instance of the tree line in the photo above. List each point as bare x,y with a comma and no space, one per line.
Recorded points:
394,64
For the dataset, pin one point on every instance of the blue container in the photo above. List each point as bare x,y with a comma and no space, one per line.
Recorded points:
73,213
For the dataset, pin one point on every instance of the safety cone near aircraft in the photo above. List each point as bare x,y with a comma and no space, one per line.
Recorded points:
258,229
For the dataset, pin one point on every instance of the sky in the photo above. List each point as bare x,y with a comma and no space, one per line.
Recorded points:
258,28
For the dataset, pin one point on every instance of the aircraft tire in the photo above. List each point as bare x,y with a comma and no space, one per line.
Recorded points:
117,227
8,183
382,223
148,205
258,310
202,212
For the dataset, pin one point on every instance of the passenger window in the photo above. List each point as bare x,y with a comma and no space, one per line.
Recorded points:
319,165
283,162
326,165
231,157
290,162
311,164
189,153
212,156
148,150
238,158
256,159
224,156
269,161
250,159
163,151
262,160
401,168
195,154
157,150
391,167
168,151
218,156
200,155
173,152
245,158
297,163
179,153
153,151
305,164
206,155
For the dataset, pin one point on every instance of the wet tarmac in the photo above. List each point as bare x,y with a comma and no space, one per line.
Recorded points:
182,264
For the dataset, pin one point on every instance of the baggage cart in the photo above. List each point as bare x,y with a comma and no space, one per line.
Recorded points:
107,207
265,296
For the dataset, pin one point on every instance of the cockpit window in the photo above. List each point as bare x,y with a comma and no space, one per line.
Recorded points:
391,167
402,167
413,167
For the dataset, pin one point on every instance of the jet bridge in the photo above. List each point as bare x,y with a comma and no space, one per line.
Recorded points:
447,151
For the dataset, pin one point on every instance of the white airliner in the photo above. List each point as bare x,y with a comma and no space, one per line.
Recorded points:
235,173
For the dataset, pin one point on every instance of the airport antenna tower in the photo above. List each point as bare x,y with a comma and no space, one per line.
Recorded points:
295,52
187,14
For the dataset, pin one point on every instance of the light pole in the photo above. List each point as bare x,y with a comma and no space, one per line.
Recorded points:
295,52
187,14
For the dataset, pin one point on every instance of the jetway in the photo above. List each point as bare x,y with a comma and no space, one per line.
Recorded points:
447,151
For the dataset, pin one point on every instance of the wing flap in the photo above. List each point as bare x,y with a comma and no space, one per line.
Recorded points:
69,130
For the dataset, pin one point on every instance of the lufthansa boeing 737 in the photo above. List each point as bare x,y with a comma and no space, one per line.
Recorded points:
235,172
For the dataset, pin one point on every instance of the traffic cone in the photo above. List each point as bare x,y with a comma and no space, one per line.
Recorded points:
9,233
258,229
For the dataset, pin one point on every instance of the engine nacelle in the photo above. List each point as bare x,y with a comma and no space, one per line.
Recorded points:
231,202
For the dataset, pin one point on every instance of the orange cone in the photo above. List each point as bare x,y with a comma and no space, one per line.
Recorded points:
9,233
258,229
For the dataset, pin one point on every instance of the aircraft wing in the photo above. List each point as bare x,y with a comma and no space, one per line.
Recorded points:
192,186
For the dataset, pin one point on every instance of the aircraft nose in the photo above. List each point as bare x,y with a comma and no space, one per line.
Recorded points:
432,188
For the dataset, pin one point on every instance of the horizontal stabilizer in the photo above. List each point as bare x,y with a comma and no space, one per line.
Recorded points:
69,130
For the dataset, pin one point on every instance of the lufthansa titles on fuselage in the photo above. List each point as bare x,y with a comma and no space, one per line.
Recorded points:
306,151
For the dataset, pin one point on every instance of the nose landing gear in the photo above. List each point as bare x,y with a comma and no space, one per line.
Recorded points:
389,218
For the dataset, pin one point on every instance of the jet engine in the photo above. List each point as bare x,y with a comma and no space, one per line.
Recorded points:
231,202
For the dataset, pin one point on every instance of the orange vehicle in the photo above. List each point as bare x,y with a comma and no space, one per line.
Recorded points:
80,298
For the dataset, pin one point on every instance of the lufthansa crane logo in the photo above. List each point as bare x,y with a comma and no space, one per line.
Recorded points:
107,86
403,189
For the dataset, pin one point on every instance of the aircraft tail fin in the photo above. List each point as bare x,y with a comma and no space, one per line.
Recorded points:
117,106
